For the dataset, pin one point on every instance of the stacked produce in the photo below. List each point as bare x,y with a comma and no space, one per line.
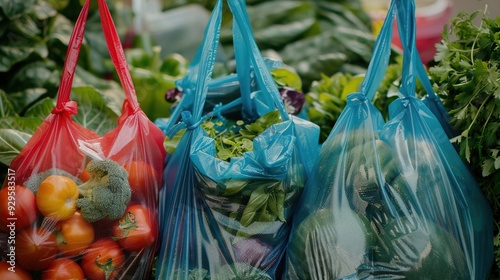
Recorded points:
91,210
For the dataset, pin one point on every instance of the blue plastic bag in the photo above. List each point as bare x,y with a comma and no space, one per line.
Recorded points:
390,200
231,219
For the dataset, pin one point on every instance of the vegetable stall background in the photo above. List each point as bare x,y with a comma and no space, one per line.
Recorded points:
328,43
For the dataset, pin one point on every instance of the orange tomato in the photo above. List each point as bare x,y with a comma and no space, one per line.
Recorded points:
63,269
56,197
142,177
74,235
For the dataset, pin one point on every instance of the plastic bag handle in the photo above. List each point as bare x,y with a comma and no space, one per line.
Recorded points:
117,55
207,55
417,61
68,72
407,26
380,56
263,76
407,30
116,52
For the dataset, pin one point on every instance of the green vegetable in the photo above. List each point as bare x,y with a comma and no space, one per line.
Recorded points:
106,193
192,274
364,157
314,252
327,96
419,249
467,71
312,37
35,180
153,76
232,139
241,271
250,201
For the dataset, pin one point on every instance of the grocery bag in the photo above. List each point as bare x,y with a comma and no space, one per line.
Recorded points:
230,219
86,202
390,200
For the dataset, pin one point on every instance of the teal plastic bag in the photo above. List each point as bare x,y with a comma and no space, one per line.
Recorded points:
390,200
231,219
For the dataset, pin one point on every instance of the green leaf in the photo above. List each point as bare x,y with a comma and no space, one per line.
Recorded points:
21,100
287,78
41,109
174,65
22,124
258,200
6,108
171,144
234,186
16,49
11,143
112,91
26,27
13,9
59,36
277,36
44,10
151,88
93,112
37,74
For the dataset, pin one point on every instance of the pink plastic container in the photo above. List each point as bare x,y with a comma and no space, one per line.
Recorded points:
431,15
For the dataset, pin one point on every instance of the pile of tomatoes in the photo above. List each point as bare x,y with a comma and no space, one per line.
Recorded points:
69,247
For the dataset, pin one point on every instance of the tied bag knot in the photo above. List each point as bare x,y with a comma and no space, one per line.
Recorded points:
69,107
190,121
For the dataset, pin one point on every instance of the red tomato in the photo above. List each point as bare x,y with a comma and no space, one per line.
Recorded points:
36,248
103,260
142,178
74,235
17,208
63,269
137,229
18,273
56,197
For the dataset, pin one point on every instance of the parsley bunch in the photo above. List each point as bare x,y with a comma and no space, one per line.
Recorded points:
467,70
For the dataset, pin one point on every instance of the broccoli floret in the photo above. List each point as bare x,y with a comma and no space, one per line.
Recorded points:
35,180
106,193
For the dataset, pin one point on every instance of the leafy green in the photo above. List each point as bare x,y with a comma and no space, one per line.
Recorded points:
11,143
327,96
93,112
313,37
232,139
153,76
467,71
6,108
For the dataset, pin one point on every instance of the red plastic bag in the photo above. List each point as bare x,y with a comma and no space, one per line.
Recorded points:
50,219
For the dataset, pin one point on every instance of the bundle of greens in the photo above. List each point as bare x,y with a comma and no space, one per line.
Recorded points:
467,71
251,200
